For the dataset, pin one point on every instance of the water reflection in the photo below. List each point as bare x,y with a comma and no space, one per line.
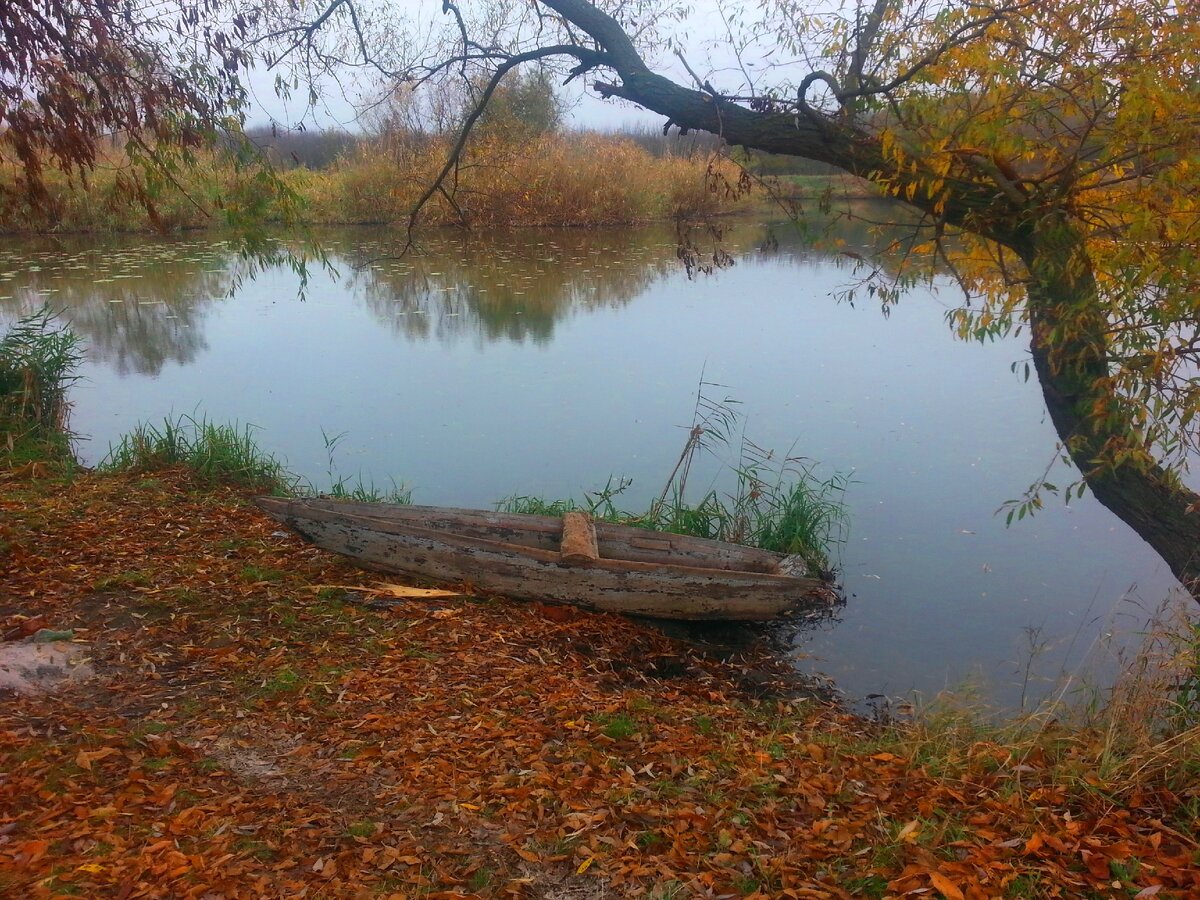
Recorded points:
137,306
488,288
142,303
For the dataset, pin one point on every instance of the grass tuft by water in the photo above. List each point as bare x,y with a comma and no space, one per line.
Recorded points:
215,453
38,359
222,453
342,487
774,503
368,492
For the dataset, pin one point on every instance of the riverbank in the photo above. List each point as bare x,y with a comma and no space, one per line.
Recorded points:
257,728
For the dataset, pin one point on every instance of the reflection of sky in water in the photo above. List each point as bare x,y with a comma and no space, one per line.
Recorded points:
541,362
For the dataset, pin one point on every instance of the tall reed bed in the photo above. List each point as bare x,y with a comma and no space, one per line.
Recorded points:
553,179
210,188
38,359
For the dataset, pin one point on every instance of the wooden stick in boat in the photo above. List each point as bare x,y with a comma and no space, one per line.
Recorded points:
578,547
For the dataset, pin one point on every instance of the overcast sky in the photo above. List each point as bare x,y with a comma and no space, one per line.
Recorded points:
336,109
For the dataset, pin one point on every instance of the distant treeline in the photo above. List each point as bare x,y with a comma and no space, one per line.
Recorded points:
288,148
520,167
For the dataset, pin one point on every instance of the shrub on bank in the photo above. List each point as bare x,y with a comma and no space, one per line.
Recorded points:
553,180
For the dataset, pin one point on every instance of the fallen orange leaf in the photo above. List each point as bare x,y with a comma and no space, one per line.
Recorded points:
948,888
85,758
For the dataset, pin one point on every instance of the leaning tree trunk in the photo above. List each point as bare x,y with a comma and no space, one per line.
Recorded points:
1069,353
1068,324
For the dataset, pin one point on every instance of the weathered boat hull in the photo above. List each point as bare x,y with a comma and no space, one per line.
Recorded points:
636,573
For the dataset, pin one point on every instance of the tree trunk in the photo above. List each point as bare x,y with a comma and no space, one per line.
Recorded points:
1067,318
1069,354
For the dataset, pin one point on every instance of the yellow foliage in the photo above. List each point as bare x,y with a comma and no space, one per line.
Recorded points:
1082,119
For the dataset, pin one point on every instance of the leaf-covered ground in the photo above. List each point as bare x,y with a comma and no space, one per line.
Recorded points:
251,733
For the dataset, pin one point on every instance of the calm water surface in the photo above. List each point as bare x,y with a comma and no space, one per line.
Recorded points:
542,362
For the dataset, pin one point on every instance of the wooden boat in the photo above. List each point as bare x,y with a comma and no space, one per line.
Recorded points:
573,560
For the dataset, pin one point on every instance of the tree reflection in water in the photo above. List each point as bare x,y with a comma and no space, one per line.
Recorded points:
138,304
141,302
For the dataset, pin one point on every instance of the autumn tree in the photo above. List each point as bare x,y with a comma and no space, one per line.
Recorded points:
137,85
524,105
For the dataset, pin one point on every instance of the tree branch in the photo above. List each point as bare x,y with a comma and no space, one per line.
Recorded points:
464,134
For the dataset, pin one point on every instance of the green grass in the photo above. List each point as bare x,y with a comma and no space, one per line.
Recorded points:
746,884
618,726
256,574
341,487
361,829
182,596
257,849
284,681
368,492
38,359
215,453
540,506
134,579
230,454
480,879
794,519
866,886
773,503
648,840
21,445
144,728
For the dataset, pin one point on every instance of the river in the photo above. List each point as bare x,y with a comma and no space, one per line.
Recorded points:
544,362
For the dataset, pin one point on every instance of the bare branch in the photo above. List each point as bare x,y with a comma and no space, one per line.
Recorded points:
477,111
